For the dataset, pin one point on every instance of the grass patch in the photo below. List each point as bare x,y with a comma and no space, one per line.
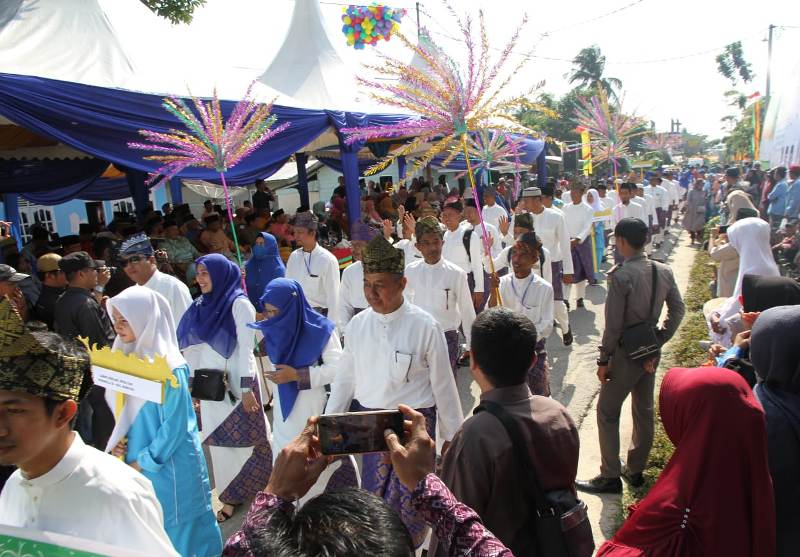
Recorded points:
682,351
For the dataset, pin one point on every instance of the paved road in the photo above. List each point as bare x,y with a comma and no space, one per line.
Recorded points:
572,374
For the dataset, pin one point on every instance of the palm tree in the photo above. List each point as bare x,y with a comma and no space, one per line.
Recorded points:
588,69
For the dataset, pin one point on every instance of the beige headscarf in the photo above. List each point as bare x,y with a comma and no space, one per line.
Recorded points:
736,200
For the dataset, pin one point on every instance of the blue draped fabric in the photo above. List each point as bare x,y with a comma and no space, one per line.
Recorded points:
11,206
41,175
336,164
101,122
401,167
138,190
176,192
302,178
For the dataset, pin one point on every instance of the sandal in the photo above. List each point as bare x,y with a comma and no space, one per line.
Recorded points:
222,516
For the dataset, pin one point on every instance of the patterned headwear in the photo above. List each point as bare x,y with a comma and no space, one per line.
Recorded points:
306,220
138,244
524,220
380,257
29,366
427,225
532,191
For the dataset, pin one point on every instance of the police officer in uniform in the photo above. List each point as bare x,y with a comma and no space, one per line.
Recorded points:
628,304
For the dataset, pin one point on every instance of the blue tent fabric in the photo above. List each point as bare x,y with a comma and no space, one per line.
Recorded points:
33,176
101,122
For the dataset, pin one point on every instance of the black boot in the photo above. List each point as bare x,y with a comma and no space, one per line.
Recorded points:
579,303
568,337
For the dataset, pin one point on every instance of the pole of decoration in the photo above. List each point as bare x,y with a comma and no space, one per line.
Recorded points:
233,225
594,249
486,244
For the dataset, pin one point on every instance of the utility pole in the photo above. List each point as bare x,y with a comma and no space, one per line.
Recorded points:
418,33
769,59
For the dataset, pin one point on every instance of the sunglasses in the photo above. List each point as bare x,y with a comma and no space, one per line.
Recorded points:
132,259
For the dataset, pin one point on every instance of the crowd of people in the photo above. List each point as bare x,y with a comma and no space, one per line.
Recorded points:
318,313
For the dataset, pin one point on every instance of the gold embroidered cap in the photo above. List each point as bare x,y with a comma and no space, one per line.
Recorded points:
380,257
39,363
426,225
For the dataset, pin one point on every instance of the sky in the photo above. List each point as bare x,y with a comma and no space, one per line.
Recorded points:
664,53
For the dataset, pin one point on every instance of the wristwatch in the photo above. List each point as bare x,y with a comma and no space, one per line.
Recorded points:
99,289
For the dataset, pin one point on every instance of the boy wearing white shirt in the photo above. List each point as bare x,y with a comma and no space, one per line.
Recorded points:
314,267
523,223
628,207
61,484
523,291
492,212
395,353
649,204
455,250
477,246
351,292
579,217
440,287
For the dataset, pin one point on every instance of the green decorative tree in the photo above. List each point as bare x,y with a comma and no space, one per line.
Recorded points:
587,72
732,65
177,11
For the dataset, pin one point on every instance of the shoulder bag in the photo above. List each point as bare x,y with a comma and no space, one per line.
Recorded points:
211,384
559,531
641,340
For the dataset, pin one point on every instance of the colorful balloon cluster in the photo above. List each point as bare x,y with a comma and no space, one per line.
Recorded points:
365,25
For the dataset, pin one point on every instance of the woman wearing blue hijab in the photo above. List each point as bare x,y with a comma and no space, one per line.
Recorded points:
304,349
213,334
265,265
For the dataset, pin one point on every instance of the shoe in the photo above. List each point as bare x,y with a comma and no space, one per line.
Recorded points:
568,337
599,484
579,303
566,303
634,480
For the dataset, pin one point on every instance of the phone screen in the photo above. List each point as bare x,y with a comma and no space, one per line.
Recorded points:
357,432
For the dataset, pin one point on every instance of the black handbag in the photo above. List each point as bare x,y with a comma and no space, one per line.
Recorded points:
560,530
641,340
211,384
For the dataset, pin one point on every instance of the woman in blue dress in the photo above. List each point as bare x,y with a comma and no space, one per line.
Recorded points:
265,265
162,440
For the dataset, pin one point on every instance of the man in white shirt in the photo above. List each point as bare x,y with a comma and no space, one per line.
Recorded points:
137,259
61,484
649,204
660,197
477,244
674,194
628,207
440,287
351,293
525,292
395,353
607,204
314,267
551,228
522,223
579,217
466,254
492,212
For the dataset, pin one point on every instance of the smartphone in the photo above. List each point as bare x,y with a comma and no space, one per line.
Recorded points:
723,229
357,432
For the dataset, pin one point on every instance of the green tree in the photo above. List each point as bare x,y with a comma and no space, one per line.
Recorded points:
587,72
177,11
732,65
739,141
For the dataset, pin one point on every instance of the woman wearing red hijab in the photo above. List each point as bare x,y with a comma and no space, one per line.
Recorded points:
714,497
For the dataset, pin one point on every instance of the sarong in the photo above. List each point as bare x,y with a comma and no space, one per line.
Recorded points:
558,275
487,289
662,218
241,430
539,374
379,479
583,268
452,348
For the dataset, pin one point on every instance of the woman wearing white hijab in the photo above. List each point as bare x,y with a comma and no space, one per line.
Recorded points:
162,440
750,238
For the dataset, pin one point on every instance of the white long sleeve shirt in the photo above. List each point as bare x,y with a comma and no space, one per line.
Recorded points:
579,219
492,214
175,291
608,205
398,358
551,228
649,204
351,293
633,209
545,271
441,290
454,251
91,495
477,247
410,251
533,297
318,274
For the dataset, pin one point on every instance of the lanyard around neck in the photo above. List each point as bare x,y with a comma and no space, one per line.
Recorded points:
307,263
524,292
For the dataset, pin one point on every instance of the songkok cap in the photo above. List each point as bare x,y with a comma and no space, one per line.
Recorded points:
48,263
490,190
305,220
380,257
469,202
10,274
530,239
29,365
69,240
360,232
426,225
732,172
138,244
456,205
79,261
525,220
532,191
